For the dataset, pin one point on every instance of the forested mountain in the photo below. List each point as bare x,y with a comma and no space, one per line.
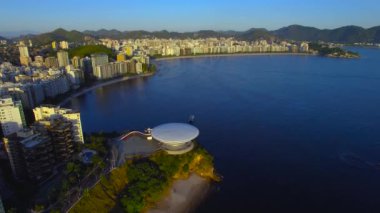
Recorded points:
347,34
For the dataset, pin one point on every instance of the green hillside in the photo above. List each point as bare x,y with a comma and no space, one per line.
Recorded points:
347,34
141,183
58,35
87,50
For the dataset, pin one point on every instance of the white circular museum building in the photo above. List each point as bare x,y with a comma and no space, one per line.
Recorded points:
175,138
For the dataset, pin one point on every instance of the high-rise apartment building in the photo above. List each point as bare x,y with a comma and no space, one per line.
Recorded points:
63,58
98,59
75,61
30,154
74,75
49,112
24,55
64,45
139,68
60,131
12,117
23,50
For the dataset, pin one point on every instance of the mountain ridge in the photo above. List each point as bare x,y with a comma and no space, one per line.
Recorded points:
345,34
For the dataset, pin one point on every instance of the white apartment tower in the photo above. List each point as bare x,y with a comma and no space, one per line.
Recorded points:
63,58
64,45
23,51
12,117
49,112
24,55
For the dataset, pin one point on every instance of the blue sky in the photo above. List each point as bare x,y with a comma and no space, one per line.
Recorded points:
46,15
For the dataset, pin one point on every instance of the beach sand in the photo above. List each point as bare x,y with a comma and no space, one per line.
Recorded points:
184,196
233,54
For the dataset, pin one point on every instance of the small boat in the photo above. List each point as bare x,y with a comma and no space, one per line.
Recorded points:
191,119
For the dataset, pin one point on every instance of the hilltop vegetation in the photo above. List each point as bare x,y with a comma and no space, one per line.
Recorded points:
103,197
338,52
87,50
141,183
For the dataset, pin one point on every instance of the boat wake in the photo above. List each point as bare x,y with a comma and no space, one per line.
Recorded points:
356,161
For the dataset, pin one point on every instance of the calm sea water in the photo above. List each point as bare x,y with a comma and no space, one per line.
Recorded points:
289,133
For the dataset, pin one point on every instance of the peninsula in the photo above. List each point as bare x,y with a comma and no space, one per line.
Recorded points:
143,184
332,51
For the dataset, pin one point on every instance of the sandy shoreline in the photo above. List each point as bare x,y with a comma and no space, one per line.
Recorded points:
185,195
234,54
101,84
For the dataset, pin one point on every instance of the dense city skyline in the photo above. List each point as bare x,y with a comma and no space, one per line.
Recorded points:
183,16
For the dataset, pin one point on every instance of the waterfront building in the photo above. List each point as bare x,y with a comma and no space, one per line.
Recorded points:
132,66
49,112
96,60
175,138
106,71
63,58
51,62
55,85
12,117
304,47
22,93
60,132
86,65
30,155
294,48
30,94
142,58
113,69
139,68
75,76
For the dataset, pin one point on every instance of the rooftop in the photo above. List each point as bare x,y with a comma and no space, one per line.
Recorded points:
174,133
